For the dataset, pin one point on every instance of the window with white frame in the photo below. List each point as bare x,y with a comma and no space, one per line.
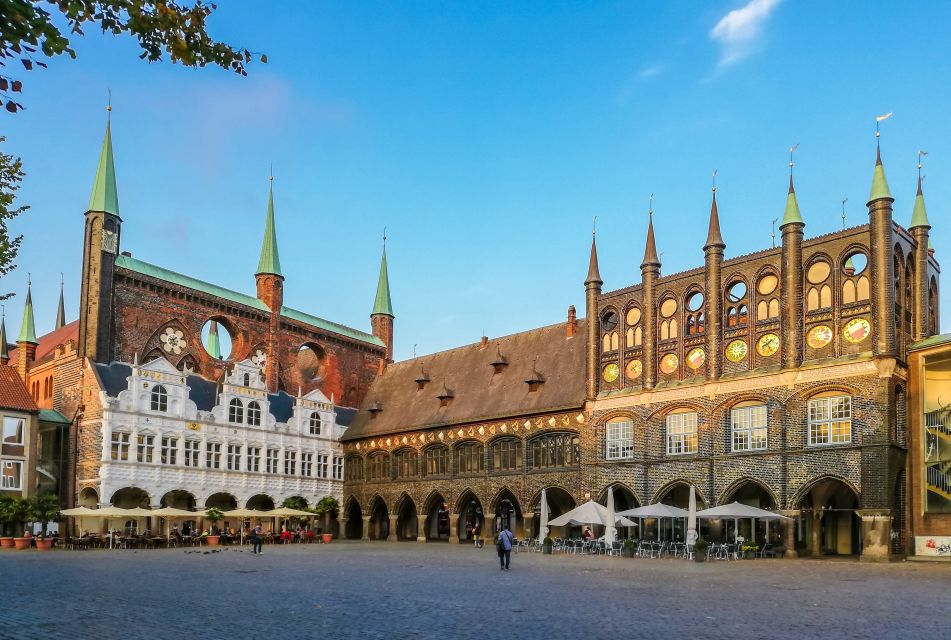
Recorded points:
234,457
315,423
338,468
830,420
254,459
191,453
254,414
618,440
681,433
307,464
270,462
13,429
120,445
235,411
169,450
290,463
321,465
749,427
11,474
213,455
159,401
146,447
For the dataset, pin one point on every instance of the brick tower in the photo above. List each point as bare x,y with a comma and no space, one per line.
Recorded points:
713,301
883,268
270,291
792,229
920,230
381,318
650,271
592,289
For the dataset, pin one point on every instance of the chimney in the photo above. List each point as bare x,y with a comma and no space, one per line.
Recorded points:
485,342
572,322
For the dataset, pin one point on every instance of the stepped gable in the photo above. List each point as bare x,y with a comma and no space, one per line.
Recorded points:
478,392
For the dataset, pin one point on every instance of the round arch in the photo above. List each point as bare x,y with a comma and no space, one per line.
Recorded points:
261,502
89,497
221,500
130,498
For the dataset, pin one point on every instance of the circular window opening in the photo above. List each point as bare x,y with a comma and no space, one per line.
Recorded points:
609,321
668,307
216,339
767,284
695,301
310,362
633,316
855,264
818,272
736,291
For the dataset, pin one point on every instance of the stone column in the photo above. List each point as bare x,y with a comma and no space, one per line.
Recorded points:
789,533
392,537
421,525
366,528
341,526
453,528
876,534
815,534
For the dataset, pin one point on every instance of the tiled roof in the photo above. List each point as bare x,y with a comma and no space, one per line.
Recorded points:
13,393
132,264
475,391
933,341
49,342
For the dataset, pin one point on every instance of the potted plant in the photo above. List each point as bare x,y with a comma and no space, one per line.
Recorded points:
700,550
325,507
627,550
547,545
214,516
749,550
19,514
45,509
6,519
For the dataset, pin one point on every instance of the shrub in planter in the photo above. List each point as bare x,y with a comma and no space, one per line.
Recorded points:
700,550
213,515
628,549
547,545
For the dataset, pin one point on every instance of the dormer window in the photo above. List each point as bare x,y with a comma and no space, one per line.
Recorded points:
235,411
422,380
445,396
254,414
500,361
375,409
159,401
247,379
535,380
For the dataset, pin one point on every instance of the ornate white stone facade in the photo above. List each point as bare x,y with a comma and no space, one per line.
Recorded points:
155,438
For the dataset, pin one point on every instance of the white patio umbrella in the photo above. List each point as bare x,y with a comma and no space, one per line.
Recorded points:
609,529
543,521
589,513
692,516
737,510
657,510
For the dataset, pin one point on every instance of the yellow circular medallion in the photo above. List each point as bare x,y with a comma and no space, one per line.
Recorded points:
819,336
611,372
768,344
633,369
736,350
856,330
669,363
696,358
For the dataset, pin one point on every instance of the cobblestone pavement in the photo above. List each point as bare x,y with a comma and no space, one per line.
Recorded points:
407,590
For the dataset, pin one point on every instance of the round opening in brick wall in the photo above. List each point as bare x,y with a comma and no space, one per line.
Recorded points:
216,339
310,362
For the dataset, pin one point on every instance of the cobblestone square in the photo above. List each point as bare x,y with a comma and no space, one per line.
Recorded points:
380,590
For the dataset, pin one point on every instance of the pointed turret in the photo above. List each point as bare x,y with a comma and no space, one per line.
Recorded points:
714,239
713,305
382,305
594,274
650,271
920,230
792,206
881,261
105,196
270,261
27,327
650,250
879,183
4,353
61,309
919,216
592,289
381,318
213,344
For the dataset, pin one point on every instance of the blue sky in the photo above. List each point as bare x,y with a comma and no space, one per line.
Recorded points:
485,137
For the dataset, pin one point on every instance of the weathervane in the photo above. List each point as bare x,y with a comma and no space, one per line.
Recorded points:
844,200
878,122
792,150
921,154
594,226
650,207
715,180
774,232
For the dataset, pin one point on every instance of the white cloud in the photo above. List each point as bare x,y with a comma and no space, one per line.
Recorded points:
738,31
650,71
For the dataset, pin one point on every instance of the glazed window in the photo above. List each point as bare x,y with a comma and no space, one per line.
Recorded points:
270,461
159,401
235,411
507,455
120,445
169,450
470,458
407,464
338,468
234,457
378,467
749,427
315,423
830,420
290,463
354,469
322,465
254,414
619,440
306,464
436,461
145,446
13,430
254,459
609,321
556,450
213,455
191,453
11,474
681,433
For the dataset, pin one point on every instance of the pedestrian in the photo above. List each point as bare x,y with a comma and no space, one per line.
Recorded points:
476,532
504,547
256,540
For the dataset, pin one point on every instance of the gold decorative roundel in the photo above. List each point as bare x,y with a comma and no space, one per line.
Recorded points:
611,372
768,344
736,350
856,330
633,369
696,358
819,336
669,363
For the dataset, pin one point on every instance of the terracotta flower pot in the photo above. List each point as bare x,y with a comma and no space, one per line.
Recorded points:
21,543
6,542
326,538
44,544
212,541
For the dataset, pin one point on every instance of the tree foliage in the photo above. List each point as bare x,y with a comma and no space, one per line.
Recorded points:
44,508
30,33
11,174
295,502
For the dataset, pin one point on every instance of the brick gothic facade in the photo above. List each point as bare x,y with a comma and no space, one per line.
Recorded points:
777,378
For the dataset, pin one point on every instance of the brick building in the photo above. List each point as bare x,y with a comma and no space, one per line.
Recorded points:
778,379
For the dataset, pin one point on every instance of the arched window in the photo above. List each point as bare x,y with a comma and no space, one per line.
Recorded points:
436,461
315,423
254,414
507,455
555,450
470,458
235,411
378,466
247,379
159,398
353,470
407,463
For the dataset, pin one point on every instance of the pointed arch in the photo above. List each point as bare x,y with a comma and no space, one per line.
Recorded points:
733,487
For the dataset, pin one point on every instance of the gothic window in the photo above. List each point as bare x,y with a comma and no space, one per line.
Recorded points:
693,313
766,289
436,461
354,468
668,329
378,466
235,411
470,458
633,334
254,414
555,450
407,463
737,314
933,308
507,455
609,322
159,400
819,276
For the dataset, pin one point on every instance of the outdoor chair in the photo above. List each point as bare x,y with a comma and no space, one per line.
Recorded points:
767,551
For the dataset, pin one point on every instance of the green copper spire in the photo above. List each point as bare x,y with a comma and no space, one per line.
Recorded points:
27,327
919,217
382,305
213,346
879,183
270,261
792,207
104,196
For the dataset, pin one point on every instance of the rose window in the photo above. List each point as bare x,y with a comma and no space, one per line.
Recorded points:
173,340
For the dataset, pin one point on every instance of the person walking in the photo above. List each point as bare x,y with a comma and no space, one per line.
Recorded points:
504,546
257,540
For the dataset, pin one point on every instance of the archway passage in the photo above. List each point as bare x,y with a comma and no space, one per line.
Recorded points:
89,498
754,494
179,499
130,498
260,502
559,502
678,495
407,524
624,499
471,522
437,519
379,520
353,530
830,525
508,514
222,501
